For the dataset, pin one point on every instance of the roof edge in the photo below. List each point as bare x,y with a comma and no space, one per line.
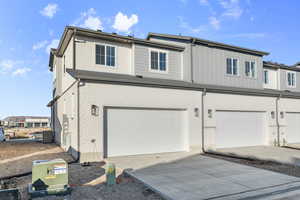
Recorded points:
209,43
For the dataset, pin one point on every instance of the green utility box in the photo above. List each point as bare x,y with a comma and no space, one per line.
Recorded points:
49,177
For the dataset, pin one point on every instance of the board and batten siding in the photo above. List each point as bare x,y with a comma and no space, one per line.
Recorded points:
210,68
283,81
142,63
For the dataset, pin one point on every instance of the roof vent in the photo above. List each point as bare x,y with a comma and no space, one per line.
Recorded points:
130,36
114,33
99,30
139,76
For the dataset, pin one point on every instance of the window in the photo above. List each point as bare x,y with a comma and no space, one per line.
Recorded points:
158,61
291,79
250,69
106,55
232,66
266,76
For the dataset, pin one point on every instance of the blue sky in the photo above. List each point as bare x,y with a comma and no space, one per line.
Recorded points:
30,28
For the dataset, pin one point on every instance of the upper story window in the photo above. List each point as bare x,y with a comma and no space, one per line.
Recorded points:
250,69
266,76
232,66
158,61
291,79
106,55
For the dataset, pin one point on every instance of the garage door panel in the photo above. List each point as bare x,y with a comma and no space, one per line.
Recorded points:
293,127
238,129
145,131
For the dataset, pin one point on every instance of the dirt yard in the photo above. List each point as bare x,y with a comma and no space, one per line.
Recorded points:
80,178
16,156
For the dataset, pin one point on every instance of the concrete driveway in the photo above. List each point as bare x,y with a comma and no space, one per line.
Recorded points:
185,176
266,153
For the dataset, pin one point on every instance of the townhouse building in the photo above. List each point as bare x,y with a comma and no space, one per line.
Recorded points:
117,95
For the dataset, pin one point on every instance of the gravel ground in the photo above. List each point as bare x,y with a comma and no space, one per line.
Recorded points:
291,170
126,189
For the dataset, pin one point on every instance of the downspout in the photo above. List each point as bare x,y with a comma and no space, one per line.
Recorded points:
192,61
277,120
78,120
74,50
202,120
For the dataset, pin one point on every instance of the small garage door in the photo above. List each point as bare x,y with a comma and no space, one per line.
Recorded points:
239,129
293,127
145,131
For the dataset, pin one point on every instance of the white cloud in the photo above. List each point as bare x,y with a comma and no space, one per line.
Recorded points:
251,19
186,26
92,23
249,35
39,45
49,10
232,8
53,44
214,22
21,71
7,66
88,19
123,23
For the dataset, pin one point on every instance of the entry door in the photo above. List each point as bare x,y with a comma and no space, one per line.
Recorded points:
240,129
293,127
145,131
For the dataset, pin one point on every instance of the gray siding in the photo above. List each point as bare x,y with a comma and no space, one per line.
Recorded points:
210,68
141,64
186,54
283,81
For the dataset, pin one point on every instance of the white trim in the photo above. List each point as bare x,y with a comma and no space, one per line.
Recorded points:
250,70
237,67
116,55
158,69
287,81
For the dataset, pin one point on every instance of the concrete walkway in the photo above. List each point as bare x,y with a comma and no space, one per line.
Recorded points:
266,153
185,176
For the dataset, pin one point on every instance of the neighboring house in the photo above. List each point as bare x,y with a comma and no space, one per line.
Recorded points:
27,121
118,95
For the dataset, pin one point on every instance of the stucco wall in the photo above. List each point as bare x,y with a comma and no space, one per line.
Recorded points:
229,102
86,56
286,105
91,127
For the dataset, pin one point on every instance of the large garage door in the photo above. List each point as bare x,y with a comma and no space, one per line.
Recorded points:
238,129
145,131
293,127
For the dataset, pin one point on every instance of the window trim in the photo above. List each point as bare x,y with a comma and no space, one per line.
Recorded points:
105,55
237,67
287,80
158,69
268,77
250,71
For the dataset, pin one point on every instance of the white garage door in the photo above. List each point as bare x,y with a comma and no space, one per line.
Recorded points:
145,131
293,127
238,129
